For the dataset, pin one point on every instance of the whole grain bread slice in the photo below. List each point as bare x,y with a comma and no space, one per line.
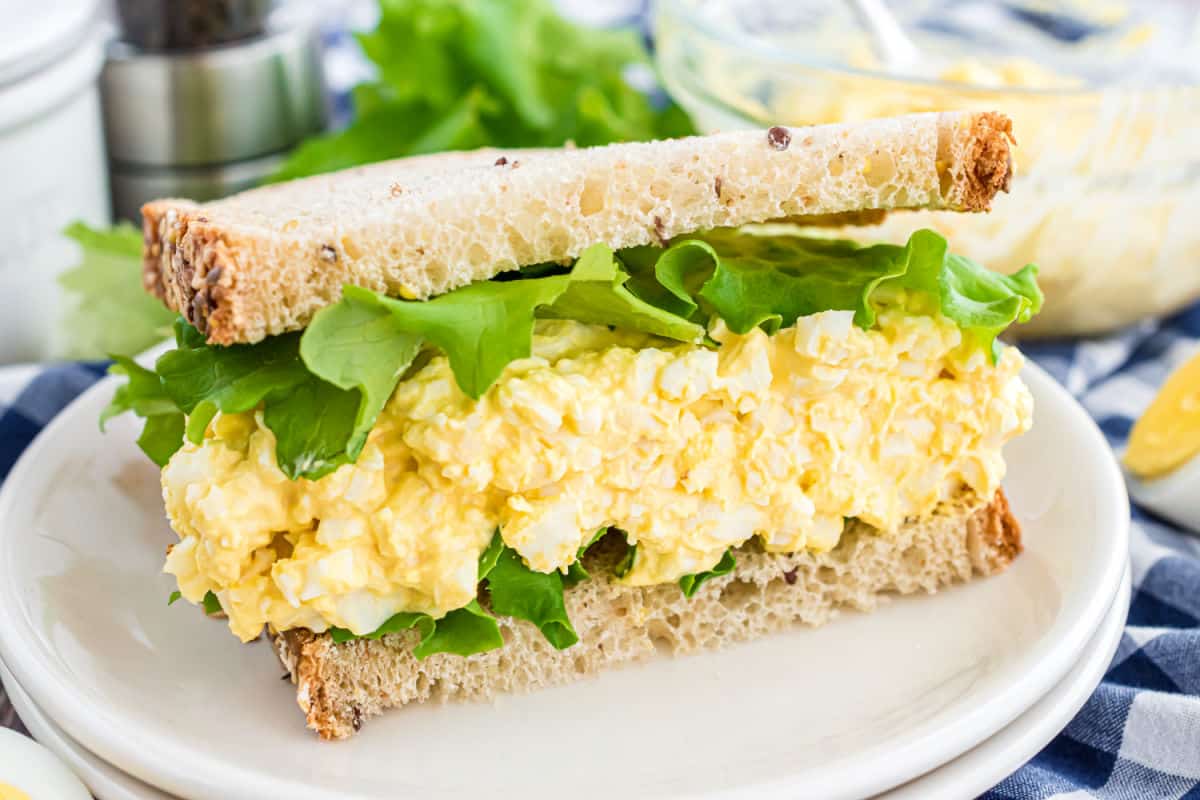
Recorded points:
264,261
341,685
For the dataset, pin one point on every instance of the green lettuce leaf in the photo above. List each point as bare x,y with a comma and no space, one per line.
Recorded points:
464,631
504,73
515,591
597,295
161,436
520,592
211,604
690,583
235,378
489,557
481,327
669,279
485,326
144,395
198,420
980,301
318,424
107,310
751,280
627,561
314,429
356,345
576,572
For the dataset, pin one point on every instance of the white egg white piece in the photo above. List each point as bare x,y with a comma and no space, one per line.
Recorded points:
29,771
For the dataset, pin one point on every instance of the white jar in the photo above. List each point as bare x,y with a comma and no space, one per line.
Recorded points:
52,162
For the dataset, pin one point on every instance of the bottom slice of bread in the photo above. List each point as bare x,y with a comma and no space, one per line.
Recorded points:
341,685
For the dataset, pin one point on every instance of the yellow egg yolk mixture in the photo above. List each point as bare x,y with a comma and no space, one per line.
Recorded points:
689,450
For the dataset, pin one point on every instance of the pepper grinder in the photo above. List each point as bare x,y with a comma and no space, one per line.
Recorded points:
204,98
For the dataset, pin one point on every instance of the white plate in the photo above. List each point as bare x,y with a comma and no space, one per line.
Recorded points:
850,709
985,765
966,776
104,780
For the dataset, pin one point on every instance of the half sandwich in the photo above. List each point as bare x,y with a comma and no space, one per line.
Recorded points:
490,421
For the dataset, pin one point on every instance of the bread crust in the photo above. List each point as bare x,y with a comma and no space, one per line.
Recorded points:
339,686
264,261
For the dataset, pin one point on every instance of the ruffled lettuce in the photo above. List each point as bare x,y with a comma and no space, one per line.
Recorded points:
143,393
484,327
769,281
107,310
314,420
502,73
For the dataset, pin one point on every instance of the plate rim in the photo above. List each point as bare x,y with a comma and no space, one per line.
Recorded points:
1099,652
995,767
152,761
95,776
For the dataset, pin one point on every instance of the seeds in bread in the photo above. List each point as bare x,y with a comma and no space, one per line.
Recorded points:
341,685
264,261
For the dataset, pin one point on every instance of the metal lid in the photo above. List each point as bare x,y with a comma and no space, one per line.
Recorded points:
36,34
238,101
133,186
191,24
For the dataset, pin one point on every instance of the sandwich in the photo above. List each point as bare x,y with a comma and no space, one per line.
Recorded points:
489,421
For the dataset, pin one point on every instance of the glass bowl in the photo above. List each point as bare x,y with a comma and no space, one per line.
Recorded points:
1105,102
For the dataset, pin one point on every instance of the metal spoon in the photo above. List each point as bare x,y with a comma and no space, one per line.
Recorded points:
893,46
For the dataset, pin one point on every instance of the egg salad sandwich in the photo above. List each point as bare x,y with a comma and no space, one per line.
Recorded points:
488,421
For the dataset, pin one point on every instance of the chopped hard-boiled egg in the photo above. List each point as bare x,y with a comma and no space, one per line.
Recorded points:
1168,434
28,771
688,450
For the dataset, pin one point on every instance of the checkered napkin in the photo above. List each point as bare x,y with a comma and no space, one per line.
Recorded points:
1138,736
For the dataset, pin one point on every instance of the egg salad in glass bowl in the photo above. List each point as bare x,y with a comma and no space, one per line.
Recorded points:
1105,97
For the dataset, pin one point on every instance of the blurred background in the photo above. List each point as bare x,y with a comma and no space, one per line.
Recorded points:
105,105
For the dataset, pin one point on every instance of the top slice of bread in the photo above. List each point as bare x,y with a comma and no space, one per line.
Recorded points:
263,262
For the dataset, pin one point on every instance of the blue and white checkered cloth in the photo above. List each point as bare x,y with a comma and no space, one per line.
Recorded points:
1138,736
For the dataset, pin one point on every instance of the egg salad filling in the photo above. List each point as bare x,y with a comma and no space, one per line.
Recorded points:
401,461
688,450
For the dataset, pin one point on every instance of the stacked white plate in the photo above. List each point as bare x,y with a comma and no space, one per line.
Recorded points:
929,697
